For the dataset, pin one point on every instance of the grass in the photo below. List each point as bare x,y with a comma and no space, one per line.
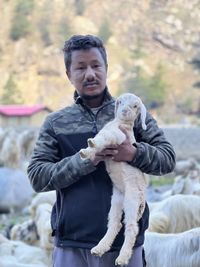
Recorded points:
160,181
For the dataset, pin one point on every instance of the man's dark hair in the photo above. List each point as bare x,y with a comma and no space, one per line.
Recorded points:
78,42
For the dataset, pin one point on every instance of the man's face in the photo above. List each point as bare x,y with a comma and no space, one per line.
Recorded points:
88,72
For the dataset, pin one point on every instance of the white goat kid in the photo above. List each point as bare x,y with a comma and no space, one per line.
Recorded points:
129,183
173,250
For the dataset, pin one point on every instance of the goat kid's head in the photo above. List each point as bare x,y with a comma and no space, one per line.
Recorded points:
128,107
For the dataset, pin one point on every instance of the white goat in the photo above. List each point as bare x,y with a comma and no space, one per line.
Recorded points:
187,185
42,221
129,183
26,232
173,250
19,254
37,230
26,142
40,198
184,166
10,151
175,214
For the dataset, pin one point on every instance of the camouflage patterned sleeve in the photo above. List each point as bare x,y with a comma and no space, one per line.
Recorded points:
46,171
155,155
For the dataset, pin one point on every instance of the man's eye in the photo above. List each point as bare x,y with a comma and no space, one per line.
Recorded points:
96,66
80,68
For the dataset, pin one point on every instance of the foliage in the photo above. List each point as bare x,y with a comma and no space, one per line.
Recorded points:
197,84
196,65
151,89
21,25
64,29
25,7
44,27
160,181
157,88
137,52
196,62
186,106
79,7
105,31
11,94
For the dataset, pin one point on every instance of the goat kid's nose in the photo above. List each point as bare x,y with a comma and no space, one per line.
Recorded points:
124,111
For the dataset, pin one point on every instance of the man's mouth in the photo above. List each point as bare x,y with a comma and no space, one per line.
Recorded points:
90,84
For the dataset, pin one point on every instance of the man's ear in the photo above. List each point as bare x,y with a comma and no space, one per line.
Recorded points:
106,68
68,74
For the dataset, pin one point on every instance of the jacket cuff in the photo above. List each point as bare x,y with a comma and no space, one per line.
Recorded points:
85,166
139,152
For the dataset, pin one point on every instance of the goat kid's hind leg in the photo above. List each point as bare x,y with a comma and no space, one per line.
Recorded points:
131,206
114,224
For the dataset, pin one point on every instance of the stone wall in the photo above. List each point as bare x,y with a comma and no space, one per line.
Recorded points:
185,140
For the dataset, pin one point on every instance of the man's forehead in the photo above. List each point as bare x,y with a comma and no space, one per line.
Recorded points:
90,54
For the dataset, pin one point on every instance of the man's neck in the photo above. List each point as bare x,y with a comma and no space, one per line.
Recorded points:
94,103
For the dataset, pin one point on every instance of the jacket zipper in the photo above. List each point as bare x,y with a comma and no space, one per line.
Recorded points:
94,130
94,116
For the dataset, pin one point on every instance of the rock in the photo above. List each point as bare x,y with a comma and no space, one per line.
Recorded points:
15,189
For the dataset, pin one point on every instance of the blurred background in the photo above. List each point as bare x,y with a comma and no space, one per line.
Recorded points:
153,51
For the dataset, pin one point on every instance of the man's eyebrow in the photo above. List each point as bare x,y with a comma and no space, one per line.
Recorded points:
92,61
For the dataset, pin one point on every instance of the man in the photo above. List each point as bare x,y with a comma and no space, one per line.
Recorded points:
79,216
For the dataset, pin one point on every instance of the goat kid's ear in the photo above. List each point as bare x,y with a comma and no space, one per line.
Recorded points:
143,113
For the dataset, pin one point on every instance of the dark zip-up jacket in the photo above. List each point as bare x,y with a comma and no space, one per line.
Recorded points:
79,216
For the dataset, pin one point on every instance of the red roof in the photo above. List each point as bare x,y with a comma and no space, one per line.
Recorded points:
21,110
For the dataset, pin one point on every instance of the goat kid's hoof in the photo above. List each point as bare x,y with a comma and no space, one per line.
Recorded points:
98,251
91,142
83,153
122,260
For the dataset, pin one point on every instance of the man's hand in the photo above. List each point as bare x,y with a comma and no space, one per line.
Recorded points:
106,153
124,152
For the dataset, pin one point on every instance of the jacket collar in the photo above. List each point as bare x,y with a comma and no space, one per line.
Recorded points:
79,100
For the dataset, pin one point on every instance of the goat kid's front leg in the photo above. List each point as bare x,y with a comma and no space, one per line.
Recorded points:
107,137
114,224
131,206
102,140
87,153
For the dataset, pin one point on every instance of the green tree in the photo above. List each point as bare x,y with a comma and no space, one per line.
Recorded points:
44,27
105,31
79,7
151,89
64,29
45,23
11,94
157,88
21,25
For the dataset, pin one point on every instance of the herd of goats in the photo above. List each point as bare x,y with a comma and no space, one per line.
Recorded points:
172,239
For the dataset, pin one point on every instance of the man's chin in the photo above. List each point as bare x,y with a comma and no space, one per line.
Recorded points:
92,96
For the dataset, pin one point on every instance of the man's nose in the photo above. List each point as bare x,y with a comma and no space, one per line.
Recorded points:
89,74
